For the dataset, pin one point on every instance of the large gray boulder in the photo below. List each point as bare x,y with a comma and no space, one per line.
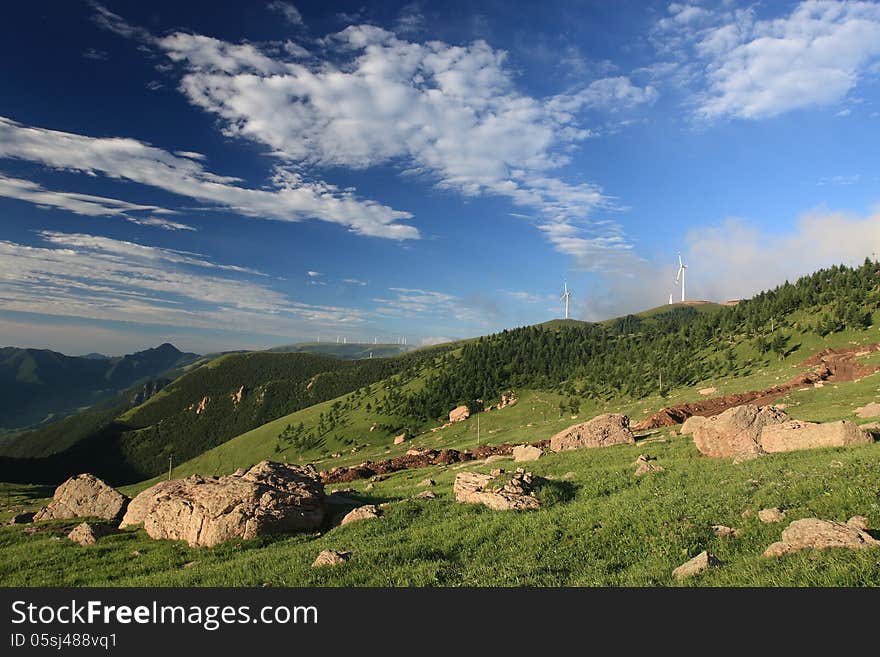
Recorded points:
601,431
795,435
735,433
270,498
84,496
816,534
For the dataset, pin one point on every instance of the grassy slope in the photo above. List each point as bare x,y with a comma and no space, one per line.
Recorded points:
600,526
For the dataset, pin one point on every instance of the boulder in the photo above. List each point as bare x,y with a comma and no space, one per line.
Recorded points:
496,492
426,495
795,435
771,515
399,440
88,533
699,564
330,558
527,453
84,496
426,482
644,465
816,534
365,512
269,498
459,413
723,531
708,391
690,425
736,432
869,410
601,431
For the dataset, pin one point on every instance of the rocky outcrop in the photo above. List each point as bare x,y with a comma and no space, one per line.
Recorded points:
869,410
270,498
459,413
527,453
795,435
736,432
496,491
84,496
236,397
816,534
696,566
601,431
507,399
365,512
88,533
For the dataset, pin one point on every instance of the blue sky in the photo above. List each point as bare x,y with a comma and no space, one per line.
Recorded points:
241,175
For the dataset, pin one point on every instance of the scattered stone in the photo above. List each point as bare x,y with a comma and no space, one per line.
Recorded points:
84,496
771,515
399,440
369,486
708,391
724,531
135,553
748,513
361,513
696,566
568,476
816,534
869,410
192,564
487,489
331,558
736,432
796,435
269,498
858,522
459,413
416,452
645,466
426,482
426,495
21,518
88,533
601,431
527,453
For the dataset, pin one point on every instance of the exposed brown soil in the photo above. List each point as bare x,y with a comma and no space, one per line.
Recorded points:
832,365
422,459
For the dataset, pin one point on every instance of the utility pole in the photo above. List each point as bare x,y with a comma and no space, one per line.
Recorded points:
478,429
661,384
170,462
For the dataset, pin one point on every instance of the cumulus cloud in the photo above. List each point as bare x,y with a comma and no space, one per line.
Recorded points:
288,11
291,197
449,113
751,68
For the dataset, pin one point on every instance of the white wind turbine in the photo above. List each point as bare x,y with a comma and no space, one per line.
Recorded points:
566,297
682,270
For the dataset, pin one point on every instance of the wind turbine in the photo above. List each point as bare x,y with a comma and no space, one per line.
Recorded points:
566,297
682,270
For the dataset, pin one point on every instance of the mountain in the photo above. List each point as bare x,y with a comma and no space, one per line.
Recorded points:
38,386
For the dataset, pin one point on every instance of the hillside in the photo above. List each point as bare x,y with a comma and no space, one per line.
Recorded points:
38,386
353,351
213,402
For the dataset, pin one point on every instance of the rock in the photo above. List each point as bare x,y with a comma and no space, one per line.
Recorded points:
459,413
416,452
601,431
795,435
816,534
269,498
477,488
724,531
527,453
858,522
736,432
746,514
361,513
426,482
399,440
192,564
771,515
331,558
84,496
496,457
708,391
426,495
690,424
696,566
88,533
645,466
870,426
869,410
21,518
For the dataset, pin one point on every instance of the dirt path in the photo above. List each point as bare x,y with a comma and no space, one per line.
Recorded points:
831,365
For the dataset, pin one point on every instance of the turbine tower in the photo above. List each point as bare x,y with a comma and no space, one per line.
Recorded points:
566,297
682,270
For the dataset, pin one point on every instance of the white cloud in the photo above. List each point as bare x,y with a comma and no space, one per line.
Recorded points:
291,14
449,113
410,20
751,69
291,197
353,281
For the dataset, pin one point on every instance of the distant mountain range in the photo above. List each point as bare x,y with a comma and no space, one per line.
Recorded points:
39,386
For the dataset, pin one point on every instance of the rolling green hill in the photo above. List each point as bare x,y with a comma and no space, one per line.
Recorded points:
39,386
353,351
